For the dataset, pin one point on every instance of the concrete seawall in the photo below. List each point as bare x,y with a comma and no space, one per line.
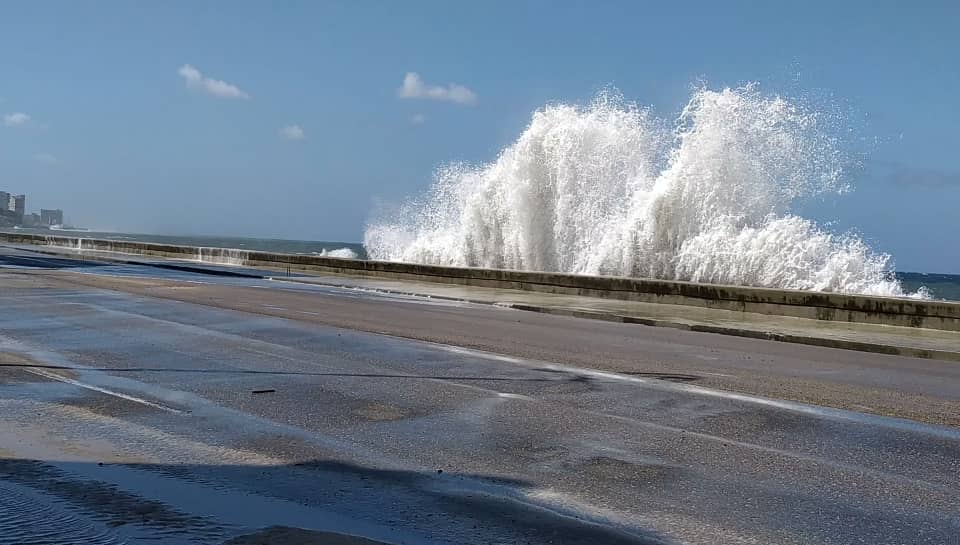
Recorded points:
796,303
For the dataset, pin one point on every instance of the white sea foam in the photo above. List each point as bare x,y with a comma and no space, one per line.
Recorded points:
344,253
610,189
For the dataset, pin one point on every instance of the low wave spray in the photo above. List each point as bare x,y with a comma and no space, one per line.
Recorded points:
343,253
610,189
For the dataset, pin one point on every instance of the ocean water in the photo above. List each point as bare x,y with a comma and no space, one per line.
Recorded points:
940,286
306,247
610,188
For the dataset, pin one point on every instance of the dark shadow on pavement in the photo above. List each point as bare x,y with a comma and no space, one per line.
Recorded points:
44,262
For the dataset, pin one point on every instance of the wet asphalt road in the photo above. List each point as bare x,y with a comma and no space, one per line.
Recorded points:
156,412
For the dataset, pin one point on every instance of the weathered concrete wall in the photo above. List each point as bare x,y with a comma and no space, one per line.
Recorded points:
802,304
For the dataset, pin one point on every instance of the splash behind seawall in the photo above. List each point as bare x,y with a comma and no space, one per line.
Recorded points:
222,256
342,253
610,189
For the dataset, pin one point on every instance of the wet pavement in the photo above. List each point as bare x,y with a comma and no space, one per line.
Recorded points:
875,338
128,415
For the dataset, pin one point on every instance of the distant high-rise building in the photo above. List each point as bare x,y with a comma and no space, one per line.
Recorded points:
51,217
19,206
8,208
12,207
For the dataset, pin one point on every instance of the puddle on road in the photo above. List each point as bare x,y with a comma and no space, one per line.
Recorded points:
31,518
280,535
40,504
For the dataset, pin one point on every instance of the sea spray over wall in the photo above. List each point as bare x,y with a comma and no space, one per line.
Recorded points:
610,189
343,253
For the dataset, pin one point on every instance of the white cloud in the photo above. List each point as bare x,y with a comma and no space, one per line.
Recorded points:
16,119
293,132
48,158
214,87
418,119
414,87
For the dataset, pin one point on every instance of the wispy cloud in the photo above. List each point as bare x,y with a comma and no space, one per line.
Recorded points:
47,158
418,119
908,175
16,119
293,132
414,87
195,79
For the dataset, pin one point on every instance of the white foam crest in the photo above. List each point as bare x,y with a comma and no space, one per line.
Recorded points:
343,253
610,189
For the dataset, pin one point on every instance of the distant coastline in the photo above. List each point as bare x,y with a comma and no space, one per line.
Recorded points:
57,228
304,247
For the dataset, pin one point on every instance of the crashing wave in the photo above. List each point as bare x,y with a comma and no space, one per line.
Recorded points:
610,189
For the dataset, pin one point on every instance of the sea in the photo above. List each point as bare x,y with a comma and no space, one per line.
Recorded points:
939,286
352,250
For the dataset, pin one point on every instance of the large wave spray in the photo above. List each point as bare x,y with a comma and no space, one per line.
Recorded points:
610,189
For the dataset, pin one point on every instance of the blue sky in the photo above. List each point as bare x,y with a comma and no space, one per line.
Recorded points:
287,120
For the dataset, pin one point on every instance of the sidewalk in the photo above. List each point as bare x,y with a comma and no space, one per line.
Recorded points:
904,341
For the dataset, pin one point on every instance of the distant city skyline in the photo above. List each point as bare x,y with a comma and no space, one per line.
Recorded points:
15,213
296,120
